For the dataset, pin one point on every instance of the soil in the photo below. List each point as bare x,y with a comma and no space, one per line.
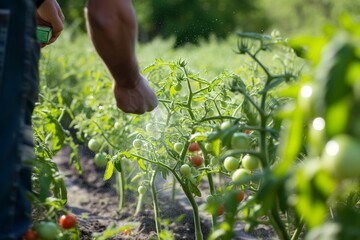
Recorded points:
95,203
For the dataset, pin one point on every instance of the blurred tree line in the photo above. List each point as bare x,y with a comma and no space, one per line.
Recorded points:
189,21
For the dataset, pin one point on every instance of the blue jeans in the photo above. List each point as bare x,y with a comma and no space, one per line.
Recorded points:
19,55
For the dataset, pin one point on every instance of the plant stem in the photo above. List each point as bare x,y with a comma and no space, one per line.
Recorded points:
197,222
155,204
298,230
139,204
120,181
278,225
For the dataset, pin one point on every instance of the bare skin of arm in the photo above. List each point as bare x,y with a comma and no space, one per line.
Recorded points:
112,27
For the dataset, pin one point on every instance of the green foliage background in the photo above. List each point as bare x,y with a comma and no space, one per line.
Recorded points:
193,20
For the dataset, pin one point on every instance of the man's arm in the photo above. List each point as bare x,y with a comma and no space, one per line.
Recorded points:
112,27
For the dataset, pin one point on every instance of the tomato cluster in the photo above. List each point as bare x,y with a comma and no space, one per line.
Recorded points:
50,230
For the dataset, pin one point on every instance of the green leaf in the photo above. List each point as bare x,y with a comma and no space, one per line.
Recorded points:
109,170
142,165
57,132
194,189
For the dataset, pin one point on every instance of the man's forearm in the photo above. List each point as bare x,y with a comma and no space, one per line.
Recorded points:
112,27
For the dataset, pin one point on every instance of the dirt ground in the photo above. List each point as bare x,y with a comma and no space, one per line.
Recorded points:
95,203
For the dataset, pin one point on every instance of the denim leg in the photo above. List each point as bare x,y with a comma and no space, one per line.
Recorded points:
19,53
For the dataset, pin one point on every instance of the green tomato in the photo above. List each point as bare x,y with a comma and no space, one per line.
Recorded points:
231,163
250,162
142,190
149,127
240,141
223,104
185,170
178,87
214,161
117,126
240,174
137,143
94,145
47,230
178,147
208,147
100,159
341,157
225,125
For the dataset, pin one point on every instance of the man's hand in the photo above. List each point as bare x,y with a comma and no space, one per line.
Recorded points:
138,99
49,14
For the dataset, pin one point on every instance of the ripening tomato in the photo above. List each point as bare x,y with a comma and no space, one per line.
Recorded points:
185,170
137,143
67,221
341,156
221,210
178,147
240,141
100,159
231,163
142,190
31,235
196,160
94,145
250,162
225,125
194,147
240,196
178,87
47,230
117,125
240,174
208,147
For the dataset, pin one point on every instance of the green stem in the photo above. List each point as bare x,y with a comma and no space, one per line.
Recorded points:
155,204
120,182
197,222
278,224
298,230
139,204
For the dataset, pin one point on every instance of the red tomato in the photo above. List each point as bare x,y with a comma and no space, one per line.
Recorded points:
196,160
30,235
194,147
248,131
67,221
221,210
126,232
240,197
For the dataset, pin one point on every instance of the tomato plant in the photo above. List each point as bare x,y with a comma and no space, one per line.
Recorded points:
67,221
